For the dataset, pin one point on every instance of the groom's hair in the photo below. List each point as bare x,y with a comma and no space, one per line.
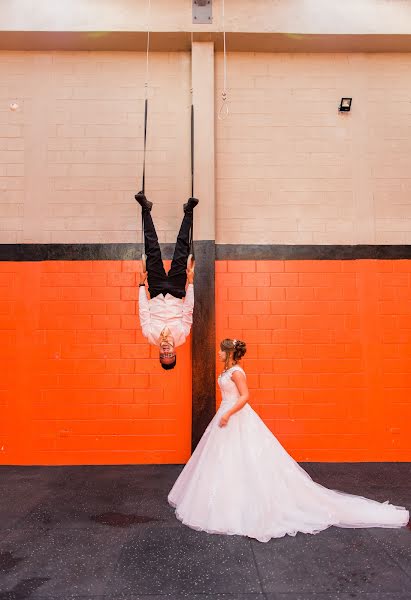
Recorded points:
169,366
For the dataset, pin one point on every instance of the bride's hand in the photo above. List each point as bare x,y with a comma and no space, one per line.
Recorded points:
224,420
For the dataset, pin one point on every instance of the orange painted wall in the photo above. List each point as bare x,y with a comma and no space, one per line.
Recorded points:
328,361
329,346
79,384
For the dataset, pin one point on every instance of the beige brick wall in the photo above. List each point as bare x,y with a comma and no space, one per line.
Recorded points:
289,168
292,170
71,156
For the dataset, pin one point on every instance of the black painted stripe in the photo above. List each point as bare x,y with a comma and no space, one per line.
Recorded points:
41,252
311,252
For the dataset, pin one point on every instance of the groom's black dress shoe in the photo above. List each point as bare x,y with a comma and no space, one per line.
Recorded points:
143,202
189,206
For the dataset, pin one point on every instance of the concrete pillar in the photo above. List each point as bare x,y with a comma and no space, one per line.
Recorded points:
203,331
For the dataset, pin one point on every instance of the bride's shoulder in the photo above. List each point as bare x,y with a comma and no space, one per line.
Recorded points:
229,372
237,368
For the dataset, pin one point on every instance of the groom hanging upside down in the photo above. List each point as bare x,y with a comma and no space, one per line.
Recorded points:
166,318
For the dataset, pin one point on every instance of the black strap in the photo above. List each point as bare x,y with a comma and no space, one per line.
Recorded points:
143,183
192,150
143,186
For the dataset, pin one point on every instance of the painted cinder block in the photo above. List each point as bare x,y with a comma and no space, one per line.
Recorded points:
86,372
327,363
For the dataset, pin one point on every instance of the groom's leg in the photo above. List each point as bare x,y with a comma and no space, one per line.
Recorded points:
156,275
177,275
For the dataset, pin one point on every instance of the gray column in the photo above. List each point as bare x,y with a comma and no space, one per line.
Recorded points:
203,331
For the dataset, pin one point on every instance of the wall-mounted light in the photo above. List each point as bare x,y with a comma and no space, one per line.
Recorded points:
345,105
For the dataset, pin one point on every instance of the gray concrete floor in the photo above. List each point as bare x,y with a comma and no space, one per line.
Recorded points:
107,532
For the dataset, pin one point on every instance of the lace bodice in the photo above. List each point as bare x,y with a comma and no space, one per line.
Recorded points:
229,390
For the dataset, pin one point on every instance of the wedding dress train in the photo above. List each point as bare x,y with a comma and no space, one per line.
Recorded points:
241,481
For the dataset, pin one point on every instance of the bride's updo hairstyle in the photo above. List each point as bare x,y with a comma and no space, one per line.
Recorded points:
236,348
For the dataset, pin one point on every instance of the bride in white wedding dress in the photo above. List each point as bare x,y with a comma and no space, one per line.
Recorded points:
241,481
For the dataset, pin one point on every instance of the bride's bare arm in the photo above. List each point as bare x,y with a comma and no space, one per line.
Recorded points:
241,383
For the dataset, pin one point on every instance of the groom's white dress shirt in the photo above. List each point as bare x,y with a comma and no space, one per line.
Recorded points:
166,311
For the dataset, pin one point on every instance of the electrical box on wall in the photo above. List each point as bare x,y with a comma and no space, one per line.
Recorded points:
202,11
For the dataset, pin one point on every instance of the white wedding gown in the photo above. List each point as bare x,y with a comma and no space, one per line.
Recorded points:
241,481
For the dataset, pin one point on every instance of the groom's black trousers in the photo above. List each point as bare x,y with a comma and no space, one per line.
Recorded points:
159,282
